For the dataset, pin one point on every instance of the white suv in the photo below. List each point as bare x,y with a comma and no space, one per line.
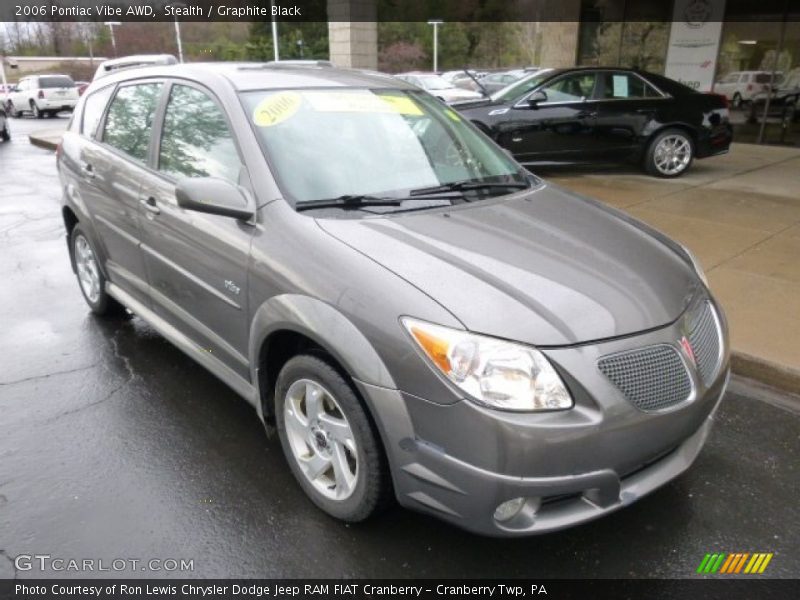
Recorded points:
42,95
741,86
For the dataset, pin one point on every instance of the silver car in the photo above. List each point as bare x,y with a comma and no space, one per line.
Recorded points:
418,317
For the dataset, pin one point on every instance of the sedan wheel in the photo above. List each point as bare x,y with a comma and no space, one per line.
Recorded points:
328,439
669,154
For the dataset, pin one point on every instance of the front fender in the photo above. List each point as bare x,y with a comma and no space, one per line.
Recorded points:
324,324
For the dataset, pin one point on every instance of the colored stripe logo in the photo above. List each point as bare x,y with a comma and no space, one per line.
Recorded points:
735,563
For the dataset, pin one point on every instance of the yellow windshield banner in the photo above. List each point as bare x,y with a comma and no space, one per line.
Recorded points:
276,108
365,102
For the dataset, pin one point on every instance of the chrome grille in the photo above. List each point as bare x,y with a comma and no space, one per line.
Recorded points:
704,338
650,378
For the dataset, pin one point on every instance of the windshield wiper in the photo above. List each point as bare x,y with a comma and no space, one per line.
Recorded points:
461,186
348,201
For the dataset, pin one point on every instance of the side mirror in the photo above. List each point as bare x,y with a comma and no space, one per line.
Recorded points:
214,196
536,98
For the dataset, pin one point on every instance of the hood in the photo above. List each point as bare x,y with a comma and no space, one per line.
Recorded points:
543,267
455,93
461,105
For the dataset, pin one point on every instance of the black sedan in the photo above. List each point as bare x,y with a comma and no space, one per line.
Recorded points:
562,116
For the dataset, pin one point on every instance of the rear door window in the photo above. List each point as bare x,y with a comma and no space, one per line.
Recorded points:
129,122
623,86
93,108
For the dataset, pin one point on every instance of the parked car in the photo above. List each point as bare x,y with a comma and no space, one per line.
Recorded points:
494,82
42,95
439,87
82,85
463,79
563,116
740,86
5,131
784,101
417,315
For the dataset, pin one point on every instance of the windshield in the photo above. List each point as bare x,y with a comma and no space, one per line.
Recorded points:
520,88
58,81
434,82
325,144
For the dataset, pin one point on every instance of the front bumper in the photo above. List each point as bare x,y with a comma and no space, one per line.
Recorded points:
461,461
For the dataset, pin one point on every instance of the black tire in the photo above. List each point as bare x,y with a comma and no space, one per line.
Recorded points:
736,101
4,135
104,305
372,490
650,161
12,111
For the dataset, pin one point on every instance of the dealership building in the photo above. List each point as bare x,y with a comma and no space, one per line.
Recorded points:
694,41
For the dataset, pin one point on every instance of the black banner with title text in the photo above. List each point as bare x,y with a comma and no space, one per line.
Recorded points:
381,10
425,589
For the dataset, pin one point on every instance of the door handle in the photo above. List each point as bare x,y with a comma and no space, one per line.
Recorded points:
151,206
87,169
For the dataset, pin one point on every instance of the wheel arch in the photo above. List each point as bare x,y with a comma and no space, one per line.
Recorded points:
692,131
290,324
70,221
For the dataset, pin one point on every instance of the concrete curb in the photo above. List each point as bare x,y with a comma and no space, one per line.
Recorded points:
45,139
769,373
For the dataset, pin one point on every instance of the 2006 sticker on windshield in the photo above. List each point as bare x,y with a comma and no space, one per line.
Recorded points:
283,105
276,108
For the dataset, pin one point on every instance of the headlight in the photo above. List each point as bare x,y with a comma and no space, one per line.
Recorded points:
698,268
499,374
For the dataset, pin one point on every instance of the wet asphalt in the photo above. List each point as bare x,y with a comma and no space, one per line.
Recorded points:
113,444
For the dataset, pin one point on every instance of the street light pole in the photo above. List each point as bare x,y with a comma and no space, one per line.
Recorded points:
178,29
435,23
178,38
274,32
111,25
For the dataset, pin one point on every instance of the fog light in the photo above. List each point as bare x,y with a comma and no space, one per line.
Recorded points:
509,509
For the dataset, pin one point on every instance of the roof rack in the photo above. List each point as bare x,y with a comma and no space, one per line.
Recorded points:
300,63
129,62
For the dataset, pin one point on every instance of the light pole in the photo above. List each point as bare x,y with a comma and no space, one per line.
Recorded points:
435,23
178,29
274,32
111,25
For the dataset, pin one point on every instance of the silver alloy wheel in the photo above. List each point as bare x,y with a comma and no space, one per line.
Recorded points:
321,440
88,271
672,154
